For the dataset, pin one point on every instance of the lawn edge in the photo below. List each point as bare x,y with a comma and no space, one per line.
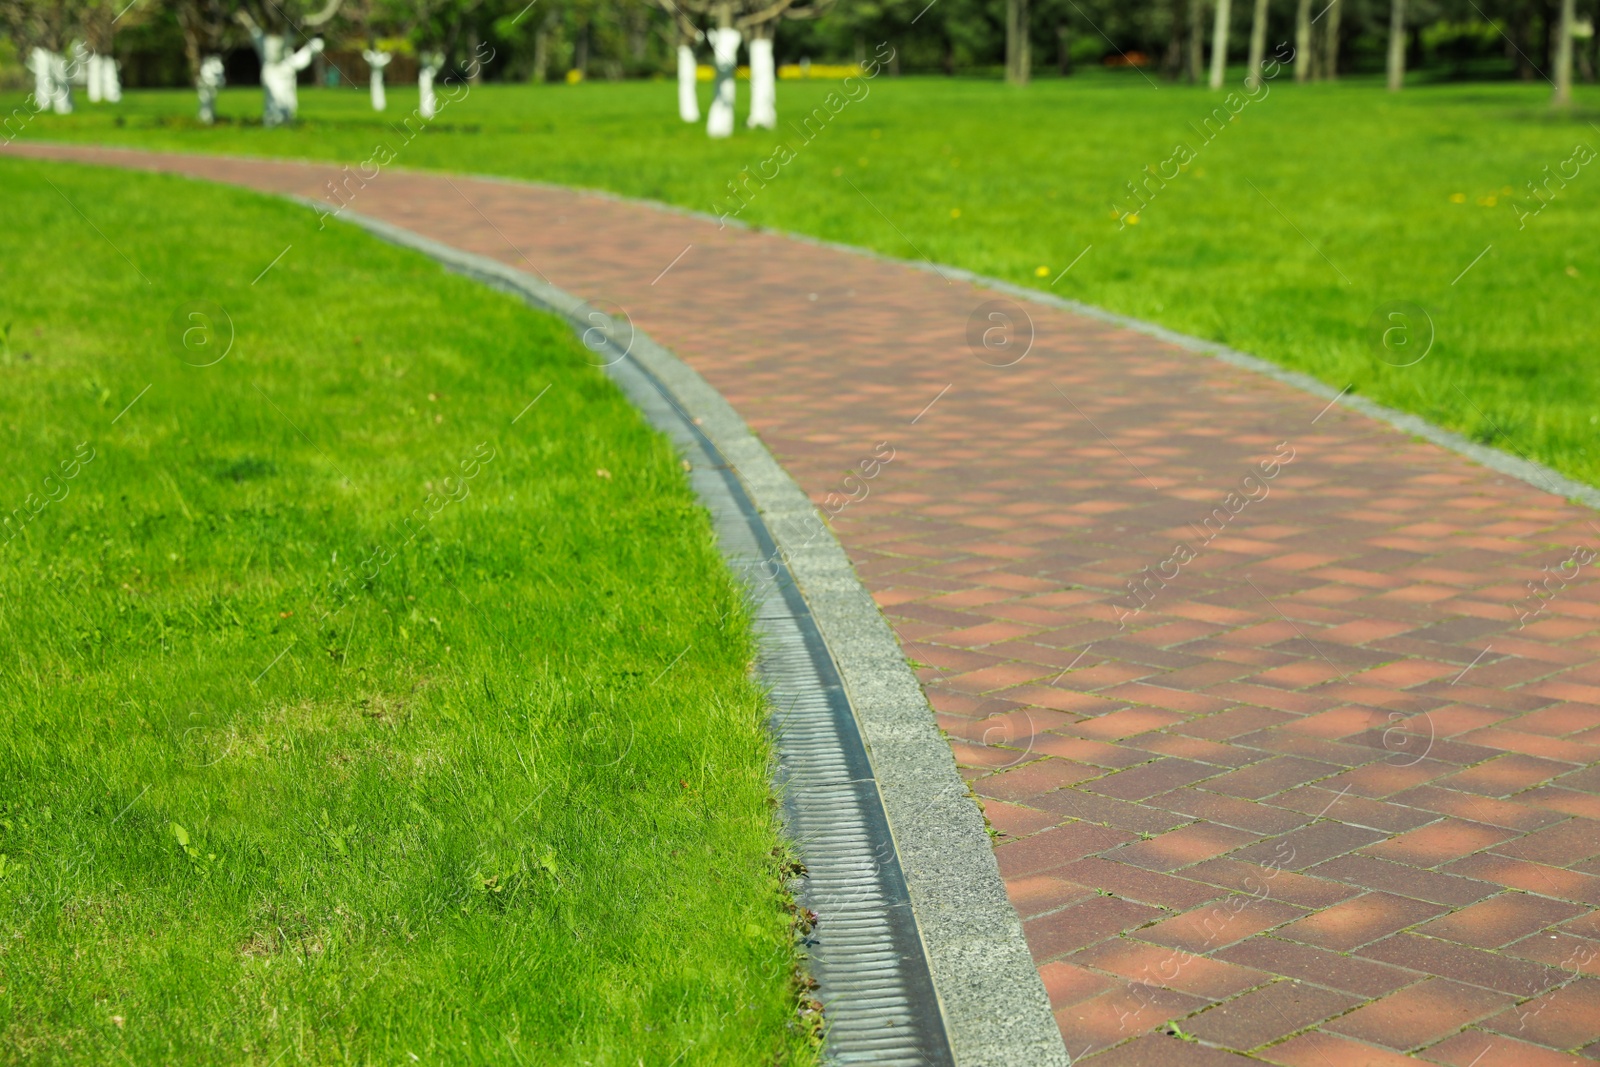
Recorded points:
995,1009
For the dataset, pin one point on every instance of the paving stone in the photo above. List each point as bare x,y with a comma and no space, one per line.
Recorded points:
1500,920
1081,925
1159,1050
1418,1014
1319,1049
1264,1014
1474,1048
1364,978
1563,1018
1355,922
1491,970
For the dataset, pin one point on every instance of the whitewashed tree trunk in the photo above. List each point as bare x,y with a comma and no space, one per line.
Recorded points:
1219,45
688,102
377,61
725,54
91,84
43,85
431,64
211,79
102,82
110,80
278,69
78,63
60,84
763,84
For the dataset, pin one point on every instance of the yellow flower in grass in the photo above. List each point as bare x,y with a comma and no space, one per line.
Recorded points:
1040,272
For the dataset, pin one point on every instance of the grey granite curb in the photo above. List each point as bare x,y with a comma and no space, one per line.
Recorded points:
996,1011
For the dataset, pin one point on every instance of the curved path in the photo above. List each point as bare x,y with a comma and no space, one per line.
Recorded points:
1319,797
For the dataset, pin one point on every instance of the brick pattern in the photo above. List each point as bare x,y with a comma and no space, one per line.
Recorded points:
1319,798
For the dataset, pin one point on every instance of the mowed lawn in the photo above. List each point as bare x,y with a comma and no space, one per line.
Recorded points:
345,715
1293,234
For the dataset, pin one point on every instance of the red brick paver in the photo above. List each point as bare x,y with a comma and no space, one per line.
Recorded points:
1320,797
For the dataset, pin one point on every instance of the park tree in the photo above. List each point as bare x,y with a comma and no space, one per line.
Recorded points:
99,19
437,32
205,25
1563,55
1219,43
273,27
42,31
731,21
685,35
1019,57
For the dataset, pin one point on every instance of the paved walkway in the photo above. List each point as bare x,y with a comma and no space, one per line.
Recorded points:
1320,798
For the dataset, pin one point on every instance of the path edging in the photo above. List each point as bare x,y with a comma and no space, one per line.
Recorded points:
996,1010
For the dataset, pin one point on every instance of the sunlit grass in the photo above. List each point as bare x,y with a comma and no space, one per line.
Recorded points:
346,716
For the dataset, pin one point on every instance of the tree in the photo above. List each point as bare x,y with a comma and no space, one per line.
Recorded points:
1329,66
1397,45
1563,59
733,18
269,24
41,31
1304,54
1258,44
205,25
1019,62
686,36
1219,44
99,19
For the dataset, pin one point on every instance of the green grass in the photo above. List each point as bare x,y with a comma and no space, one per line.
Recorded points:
1364,176
286,780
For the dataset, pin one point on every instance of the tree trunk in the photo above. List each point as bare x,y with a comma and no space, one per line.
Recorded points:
474,47
1018,62
1563,93
541,49
1197,45
51,86
1172,60
1064,48
1258,44
688,102
207,83
1219,44
376,61
1583,55
429,64
1397,45
1330,54
763,80
1304,57
725,55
